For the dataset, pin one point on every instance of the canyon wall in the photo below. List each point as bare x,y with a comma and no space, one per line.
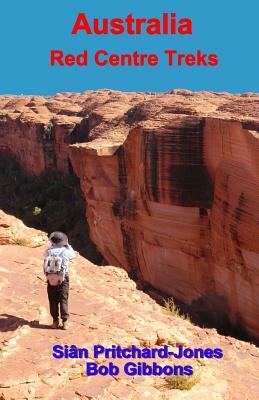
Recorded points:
38,130
37,142
171,182
179,206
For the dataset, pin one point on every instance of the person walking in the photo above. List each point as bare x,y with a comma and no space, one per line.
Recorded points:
56,268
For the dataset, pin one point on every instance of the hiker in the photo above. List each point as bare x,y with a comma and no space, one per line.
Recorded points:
56,262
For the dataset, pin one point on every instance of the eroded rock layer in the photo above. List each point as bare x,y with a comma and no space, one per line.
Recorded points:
13,231
171,182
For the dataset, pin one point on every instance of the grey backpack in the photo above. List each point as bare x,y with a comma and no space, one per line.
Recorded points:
53,268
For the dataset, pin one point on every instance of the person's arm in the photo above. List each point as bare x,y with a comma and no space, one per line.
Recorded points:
45,254
70,254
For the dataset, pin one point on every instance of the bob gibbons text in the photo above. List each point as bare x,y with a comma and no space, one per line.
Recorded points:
132,367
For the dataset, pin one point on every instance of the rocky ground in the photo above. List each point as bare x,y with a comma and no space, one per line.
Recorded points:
192,247
14,231
106,308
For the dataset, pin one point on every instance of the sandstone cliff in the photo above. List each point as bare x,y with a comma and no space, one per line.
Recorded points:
171,182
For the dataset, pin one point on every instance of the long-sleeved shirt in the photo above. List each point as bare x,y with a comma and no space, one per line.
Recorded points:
67,253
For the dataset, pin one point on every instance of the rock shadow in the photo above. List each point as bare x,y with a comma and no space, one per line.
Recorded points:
11,323
49,202
208,311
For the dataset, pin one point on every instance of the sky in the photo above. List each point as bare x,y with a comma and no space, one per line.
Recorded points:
31,29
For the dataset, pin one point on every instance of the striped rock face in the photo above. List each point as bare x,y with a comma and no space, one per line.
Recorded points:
179,206
171,183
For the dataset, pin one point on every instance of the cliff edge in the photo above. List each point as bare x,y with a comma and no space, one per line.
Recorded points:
171,182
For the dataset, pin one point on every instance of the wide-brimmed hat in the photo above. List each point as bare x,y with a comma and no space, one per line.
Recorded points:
59,239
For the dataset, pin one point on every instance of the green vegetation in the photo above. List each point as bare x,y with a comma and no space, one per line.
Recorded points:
49,202
21,241
36,211
183,382
172,308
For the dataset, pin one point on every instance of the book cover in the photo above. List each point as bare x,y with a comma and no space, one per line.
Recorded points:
129,212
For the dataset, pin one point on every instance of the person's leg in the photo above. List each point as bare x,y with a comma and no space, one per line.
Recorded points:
53,302
64,299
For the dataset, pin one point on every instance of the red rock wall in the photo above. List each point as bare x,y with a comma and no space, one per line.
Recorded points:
22,140
174,201
37,146
231,154
179,206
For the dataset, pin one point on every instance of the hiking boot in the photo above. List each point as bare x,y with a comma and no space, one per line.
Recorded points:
55,325
65,325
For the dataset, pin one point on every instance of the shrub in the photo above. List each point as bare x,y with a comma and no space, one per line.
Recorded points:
183,382
172,308
36,211
21,241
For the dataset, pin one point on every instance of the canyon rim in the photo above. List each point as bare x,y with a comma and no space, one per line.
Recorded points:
170,181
